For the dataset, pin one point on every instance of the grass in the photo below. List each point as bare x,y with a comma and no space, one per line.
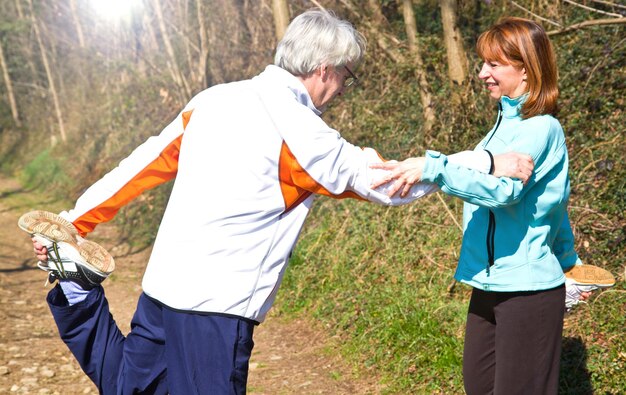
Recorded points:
390,304
46,171
379,278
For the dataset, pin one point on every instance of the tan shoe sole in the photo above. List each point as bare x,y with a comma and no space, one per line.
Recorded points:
589,274
58,229
97,256
48,225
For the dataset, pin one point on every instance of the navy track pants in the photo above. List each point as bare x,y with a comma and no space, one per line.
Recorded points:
166,351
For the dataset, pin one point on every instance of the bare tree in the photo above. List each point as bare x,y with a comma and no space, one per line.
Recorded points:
77,25
9,87
616,18
46,65
420,73
27,47
184,90
186,30
261,36
203,57
595,22
152,43
229,38
386,42
457,60
281,17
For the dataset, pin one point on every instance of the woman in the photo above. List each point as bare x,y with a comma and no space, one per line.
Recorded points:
517,239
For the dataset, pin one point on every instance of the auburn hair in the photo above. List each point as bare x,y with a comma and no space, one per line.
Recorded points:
523,43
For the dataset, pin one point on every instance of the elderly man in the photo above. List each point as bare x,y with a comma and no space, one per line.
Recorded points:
247,158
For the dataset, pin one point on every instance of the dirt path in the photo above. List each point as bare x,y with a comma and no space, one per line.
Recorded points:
289,357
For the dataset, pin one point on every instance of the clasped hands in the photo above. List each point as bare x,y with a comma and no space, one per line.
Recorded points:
408,172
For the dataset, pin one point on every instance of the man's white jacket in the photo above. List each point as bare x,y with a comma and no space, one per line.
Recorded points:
247,158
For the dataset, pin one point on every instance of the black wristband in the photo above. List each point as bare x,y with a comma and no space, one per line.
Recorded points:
492,167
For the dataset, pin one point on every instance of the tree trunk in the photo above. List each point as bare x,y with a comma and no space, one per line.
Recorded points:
281,17
228,32
177,76
9,85
378,29
203,57
152,42
420,73
76,20
27,46
377,12
457,60
186,31
46,65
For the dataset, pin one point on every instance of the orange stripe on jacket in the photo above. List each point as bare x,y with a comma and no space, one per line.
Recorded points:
163,168
297,185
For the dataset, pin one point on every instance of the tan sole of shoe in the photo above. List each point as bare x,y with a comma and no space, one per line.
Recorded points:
48,225
589,274
58,229
97,256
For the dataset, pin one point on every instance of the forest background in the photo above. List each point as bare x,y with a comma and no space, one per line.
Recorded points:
83,85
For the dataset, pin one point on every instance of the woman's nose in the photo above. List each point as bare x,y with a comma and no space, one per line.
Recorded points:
484,71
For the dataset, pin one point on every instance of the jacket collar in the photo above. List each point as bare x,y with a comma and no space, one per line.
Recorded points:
512,108
280,77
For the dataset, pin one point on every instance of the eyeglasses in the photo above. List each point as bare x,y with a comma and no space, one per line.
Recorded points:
351,79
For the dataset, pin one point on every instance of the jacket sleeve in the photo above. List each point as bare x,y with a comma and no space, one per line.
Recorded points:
340,169
563,245
152,163
326,163
470,185
541,138
476,160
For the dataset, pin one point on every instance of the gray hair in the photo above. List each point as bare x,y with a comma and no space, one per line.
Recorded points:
318,37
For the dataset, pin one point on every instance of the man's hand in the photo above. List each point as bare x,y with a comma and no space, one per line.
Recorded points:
40,251
513,165
405,174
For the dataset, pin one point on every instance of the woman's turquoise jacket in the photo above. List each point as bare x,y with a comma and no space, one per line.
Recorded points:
516,237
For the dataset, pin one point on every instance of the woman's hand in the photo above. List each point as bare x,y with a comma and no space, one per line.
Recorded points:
405,174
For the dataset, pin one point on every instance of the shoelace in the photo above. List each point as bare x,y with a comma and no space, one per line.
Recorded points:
55,257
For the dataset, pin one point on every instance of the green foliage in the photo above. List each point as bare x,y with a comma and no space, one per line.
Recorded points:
593,346
46,172
6,119
593,71
139,221
378,278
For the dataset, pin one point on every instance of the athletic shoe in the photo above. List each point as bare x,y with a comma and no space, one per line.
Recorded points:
69,256
585,278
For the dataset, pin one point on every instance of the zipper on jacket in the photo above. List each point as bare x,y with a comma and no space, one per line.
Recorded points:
491,229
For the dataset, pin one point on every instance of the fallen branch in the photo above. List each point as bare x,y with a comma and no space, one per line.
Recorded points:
382,37
443,202
596,146
584,7
595,22
598,65
608,3
535,15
